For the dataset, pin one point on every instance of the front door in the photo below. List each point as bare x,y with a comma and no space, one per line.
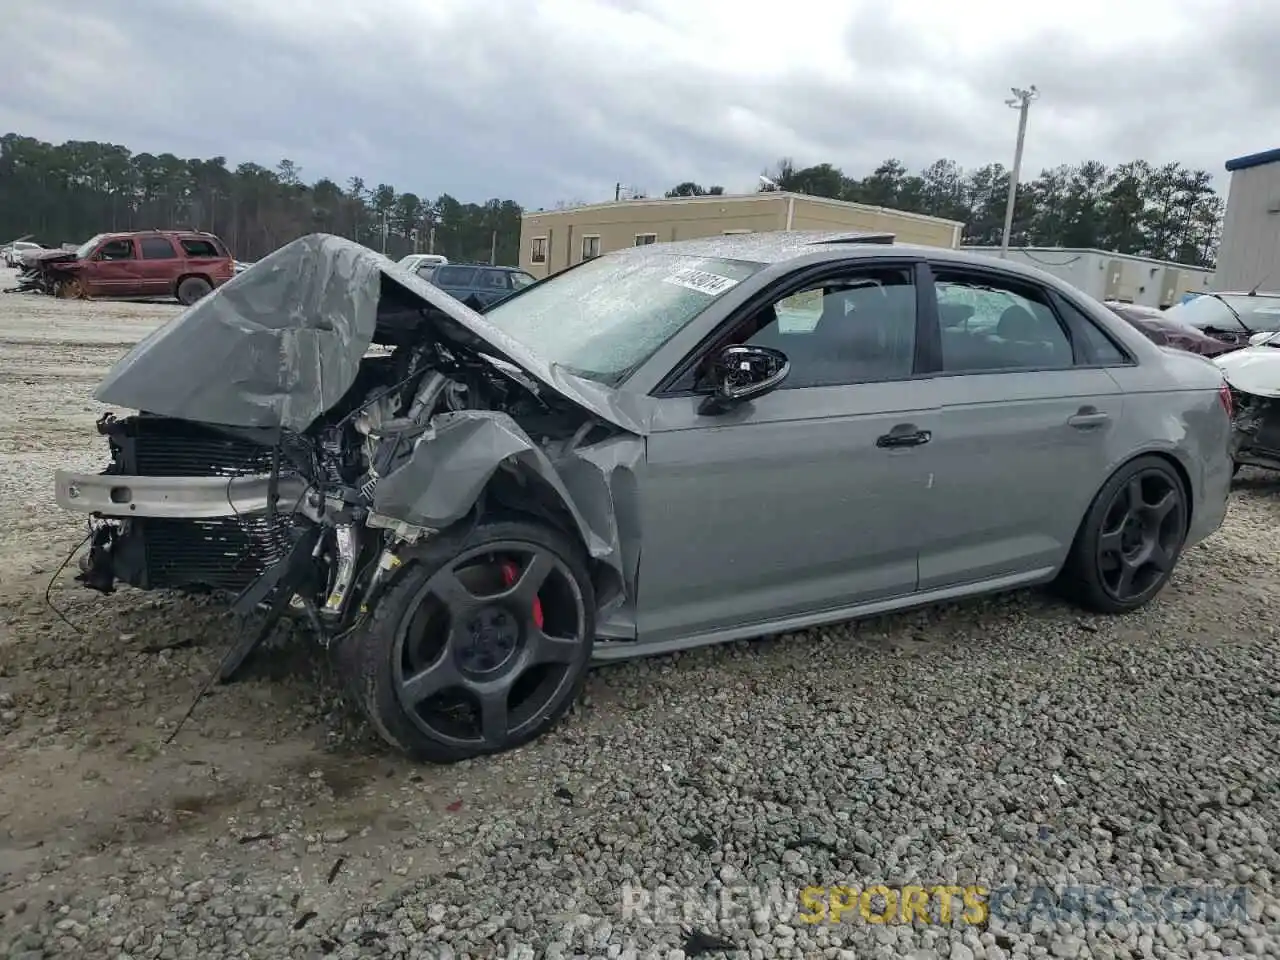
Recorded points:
806,499
114,270
1022,441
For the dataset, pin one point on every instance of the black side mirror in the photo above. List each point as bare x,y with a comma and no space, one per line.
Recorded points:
743,372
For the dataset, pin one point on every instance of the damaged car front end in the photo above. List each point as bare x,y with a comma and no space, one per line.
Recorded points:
325,423
1253,377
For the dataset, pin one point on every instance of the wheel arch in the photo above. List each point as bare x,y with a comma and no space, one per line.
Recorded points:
191,275
1159,453
520,492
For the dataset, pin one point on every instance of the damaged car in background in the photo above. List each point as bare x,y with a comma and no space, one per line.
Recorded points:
662,447
1253,374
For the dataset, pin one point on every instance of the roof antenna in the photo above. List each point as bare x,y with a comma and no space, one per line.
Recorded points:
1253,292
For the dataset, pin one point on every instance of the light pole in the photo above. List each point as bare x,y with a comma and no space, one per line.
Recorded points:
1020,101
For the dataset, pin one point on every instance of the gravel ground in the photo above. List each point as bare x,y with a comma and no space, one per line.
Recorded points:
1010,743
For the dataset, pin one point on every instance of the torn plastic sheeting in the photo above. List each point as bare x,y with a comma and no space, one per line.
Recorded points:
446,473
279,345
276,346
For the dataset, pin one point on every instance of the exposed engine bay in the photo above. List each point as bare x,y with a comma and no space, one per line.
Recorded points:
303,514
1255,430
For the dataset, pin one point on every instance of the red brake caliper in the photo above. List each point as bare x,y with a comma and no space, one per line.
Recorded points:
510,572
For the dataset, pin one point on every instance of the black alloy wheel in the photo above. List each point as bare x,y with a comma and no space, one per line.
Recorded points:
482,649
1131,538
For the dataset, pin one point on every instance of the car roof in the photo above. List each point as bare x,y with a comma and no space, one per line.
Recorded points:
780,246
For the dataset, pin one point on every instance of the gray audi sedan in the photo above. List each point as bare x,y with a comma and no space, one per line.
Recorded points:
672,445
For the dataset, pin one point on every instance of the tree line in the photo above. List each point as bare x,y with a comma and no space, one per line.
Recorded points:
1165,211
64,193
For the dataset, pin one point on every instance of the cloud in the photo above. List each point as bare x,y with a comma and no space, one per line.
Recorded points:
558,99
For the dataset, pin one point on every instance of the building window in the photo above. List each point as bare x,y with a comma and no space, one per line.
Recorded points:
729,233
538,251
644,239
590,247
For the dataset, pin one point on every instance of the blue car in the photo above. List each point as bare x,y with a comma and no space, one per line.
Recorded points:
477,285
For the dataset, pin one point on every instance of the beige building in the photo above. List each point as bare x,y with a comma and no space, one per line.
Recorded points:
551,240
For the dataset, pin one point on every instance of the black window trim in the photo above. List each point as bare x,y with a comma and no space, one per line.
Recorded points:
1081,352
671,386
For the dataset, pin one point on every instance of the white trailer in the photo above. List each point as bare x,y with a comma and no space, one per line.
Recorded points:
1113,276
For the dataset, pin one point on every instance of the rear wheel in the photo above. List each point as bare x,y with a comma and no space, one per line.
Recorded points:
480,645
192,289
1130,540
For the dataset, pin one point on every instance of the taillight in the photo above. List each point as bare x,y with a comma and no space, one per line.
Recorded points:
1224,395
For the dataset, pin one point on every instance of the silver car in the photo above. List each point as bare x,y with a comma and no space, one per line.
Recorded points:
667,446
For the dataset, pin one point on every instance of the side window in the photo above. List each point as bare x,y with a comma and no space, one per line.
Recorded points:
857,328
117,250
200,249
157,248
1099,346
521,280
455,276
1263,319
493,280
987,325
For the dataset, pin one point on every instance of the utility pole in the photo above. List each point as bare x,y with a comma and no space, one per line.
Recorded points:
493,249
384,232
1020,101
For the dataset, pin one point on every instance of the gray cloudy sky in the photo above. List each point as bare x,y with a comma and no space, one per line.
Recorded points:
548,100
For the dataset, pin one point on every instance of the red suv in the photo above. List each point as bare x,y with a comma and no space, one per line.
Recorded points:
149,263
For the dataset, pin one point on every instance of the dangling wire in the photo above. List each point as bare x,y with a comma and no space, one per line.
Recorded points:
48,590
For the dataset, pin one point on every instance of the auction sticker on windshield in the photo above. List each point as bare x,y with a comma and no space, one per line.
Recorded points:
712,284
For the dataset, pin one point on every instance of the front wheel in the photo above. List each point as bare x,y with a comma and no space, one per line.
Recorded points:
1130,540
480,645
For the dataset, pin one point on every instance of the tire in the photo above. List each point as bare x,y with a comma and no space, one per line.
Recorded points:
1114,535
412,634
192,289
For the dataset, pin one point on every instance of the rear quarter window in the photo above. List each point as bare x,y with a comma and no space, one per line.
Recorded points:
198,249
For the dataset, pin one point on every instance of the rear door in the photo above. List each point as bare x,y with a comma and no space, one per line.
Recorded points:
1027,408
159,265
206,257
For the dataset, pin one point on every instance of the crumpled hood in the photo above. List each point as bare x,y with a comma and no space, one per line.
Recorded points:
279,345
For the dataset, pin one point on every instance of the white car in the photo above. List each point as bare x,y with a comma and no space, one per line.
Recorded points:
13,253
415,260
